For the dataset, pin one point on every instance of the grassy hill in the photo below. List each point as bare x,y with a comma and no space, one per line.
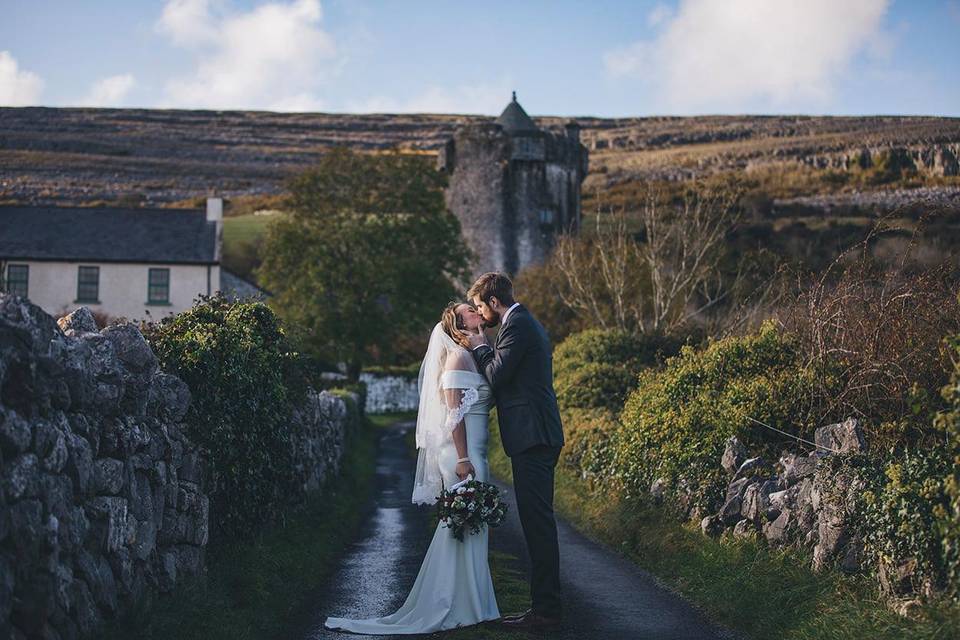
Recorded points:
808,180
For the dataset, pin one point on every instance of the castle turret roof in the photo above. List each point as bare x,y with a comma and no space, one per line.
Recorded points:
515,120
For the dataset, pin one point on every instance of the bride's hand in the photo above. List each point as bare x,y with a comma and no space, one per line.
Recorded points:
465,469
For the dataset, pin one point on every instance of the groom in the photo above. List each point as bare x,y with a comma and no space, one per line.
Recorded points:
520,372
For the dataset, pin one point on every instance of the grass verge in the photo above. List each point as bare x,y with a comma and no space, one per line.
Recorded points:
746,586
259,588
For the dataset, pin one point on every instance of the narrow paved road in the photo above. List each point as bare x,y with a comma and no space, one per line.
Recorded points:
605,595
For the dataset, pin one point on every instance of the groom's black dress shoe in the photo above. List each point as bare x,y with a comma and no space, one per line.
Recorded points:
529,621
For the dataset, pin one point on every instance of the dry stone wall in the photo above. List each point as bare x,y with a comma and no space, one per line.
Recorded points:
805,502
390,393
102,495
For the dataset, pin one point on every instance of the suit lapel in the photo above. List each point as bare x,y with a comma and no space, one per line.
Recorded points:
510,318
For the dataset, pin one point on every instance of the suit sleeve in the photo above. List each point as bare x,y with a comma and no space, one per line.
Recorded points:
500,364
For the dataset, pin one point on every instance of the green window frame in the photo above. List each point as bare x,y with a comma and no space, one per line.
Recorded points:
158,286
18,278
88,284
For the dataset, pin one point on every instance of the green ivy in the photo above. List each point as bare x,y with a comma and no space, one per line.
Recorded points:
244,378
904,513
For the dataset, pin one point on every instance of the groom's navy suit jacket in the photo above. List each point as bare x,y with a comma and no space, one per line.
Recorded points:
520,371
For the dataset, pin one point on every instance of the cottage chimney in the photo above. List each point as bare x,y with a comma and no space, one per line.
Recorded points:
214,209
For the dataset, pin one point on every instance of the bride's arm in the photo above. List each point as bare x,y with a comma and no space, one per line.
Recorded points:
454,398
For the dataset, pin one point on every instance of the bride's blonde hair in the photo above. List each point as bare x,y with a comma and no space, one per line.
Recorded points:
452,324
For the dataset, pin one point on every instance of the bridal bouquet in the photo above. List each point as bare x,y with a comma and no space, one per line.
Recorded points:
470,504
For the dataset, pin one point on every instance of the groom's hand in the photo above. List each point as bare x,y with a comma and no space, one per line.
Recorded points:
478,338
464,469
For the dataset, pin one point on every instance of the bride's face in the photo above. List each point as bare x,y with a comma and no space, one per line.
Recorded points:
469,317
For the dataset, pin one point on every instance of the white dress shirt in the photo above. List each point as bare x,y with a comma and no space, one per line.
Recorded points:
503,318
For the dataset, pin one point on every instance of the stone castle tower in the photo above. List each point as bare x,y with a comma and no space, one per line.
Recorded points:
514,187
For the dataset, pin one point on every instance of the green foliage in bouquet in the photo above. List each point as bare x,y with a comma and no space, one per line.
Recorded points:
244,379
676,422
469,506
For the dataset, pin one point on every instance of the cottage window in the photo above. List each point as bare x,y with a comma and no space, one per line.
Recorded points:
158,287
17,277
88,284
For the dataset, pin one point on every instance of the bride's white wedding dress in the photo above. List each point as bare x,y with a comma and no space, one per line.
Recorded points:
453,587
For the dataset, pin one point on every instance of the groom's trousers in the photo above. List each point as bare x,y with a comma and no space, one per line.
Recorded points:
533,471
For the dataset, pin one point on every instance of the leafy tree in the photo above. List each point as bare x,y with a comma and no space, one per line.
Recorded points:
367,257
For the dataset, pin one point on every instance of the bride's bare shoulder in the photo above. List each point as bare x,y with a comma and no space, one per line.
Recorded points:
459,360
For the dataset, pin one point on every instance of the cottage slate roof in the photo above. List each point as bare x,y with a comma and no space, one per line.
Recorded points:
515,120
106,234
234,287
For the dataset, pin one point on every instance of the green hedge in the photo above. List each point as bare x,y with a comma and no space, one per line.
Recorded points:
596,369
244,378
610,346
676,423
410,371
588,434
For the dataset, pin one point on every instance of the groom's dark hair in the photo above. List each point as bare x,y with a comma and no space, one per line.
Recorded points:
492,285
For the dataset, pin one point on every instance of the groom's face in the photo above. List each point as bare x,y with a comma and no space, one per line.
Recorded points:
490,317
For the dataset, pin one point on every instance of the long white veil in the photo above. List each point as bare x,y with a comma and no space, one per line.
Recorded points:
435,420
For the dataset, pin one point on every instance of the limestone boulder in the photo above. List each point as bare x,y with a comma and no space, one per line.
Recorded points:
796,468
78,322
842,437
734,455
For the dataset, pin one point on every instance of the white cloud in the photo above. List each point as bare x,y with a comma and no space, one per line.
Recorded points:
274,56
187,22
486,99
110,91
725,55
18,88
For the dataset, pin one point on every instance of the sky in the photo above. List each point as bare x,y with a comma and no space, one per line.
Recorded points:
585,58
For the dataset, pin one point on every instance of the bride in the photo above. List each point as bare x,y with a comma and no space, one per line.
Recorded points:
453,587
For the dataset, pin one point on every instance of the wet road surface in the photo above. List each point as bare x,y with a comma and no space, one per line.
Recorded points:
378,569
605,595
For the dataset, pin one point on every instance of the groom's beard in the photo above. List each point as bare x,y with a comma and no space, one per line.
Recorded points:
492,323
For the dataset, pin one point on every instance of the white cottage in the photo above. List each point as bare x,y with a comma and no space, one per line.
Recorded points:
123,262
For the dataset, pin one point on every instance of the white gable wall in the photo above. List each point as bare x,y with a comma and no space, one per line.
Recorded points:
123,287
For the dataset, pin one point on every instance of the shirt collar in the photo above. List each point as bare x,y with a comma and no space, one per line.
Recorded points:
506,313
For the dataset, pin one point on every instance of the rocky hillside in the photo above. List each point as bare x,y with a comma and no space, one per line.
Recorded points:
86,156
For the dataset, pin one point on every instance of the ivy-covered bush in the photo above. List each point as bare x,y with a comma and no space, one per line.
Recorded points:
597,368
949,424
588,435
912,509
676,422
595,386
905,515
244,378
609,346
